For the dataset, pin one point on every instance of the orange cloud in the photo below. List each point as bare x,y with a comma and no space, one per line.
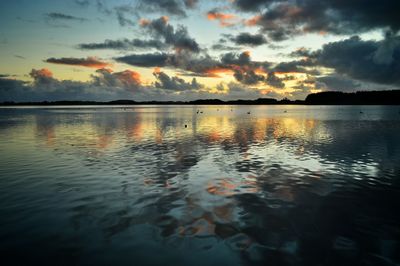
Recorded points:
225,20
216,71
252,21
129,77
145,22
165,19
44,72
157,70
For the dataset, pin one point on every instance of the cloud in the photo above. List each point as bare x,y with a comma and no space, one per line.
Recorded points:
145,60
64,17
127,79
239,65
166,82
19,56
122,11
8,84
224,47
82,3
190,3
307,66
124,44
251,5
84,62
336,82
245,38
102,8
301,52
372,61
178,38
238,91
274,81
171,7
282,19
104,85
224,19
42,76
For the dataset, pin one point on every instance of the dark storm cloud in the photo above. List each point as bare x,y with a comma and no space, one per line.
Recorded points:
11,89
7,84
85,62
124,44
373,61
300,66
163,81
281,19
54,16
337,83
177,38
145,60
245,38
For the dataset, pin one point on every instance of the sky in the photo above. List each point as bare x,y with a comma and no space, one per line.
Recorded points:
195,49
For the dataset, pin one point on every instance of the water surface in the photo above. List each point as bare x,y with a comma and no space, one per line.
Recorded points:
238,185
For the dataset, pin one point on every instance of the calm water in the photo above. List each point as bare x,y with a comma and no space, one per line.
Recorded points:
283,185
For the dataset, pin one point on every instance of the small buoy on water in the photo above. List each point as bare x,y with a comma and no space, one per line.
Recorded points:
185,126
248,113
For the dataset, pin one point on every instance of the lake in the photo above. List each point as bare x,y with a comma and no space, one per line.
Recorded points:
200,185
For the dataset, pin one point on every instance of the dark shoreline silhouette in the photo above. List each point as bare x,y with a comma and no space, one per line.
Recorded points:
390,97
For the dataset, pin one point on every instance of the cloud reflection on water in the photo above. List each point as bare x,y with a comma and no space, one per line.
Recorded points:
273,187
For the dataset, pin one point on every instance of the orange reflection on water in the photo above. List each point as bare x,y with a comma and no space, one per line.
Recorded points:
216,125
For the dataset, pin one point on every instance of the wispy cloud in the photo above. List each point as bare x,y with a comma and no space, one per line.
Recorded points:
54,16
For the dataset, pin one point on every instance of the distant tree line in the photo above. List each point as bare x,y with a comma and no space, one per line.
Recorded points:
389,97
